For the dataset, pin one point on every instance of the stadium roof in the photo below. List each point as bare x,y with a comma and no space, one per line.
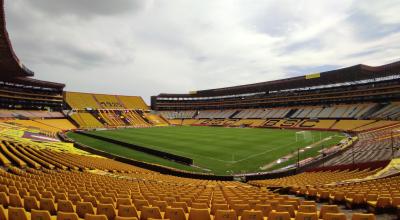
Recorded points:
11,68
348,74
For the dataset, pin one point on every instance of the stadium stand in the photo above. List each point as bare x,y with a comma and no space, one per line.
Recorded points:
81,101
354,117
215,114
348,125
389,112
78,100
178,115
86,120
314,178
377,125
375,145
133,102
101,110
7,113
156,120
354,111
47,126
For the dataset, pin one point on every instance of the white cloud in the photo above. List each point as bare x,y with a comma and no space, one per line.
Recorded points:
149,47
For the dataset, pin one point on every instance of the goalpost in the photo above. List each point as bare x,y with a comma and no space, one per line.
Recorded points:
304,136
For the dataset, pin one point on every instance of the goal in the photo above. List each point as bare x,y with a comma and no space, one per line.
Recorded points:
304,136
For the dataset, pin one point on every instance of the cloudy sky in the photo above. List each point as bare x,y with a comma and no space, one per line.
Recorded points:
145,47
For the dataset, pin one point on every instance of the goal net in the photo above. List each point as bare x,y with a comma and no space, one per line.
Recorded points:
305,136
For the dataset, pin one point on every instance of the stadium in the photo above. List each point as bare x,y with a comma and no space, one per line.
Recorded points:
322,145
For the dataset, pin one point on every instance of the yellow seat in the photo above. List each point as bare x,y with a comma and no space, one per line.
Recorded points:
182,205
199,214
335,216
253,203
328,209
4,199
107,210
3,215
17,213
84,207
90,199
95,217
4,188
48,204
74,198
225,215
252,215
337,197
197,205
111,195
204,201
65,206
307,208
15,200
59,196
278,215
216,207
150,212
139,203
106,200
381,202
305,202
123,201
169,200
127,211
239,208
306,216
162,205
323,195
35,193
286,208
292,203
47,194
30,203
265,209
395,202
23,192
354,200
175,214
40,215
67,216
125,218
188,201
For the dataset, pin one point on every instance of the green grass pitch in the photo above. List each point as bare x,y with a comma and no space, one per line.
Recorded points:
217,150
